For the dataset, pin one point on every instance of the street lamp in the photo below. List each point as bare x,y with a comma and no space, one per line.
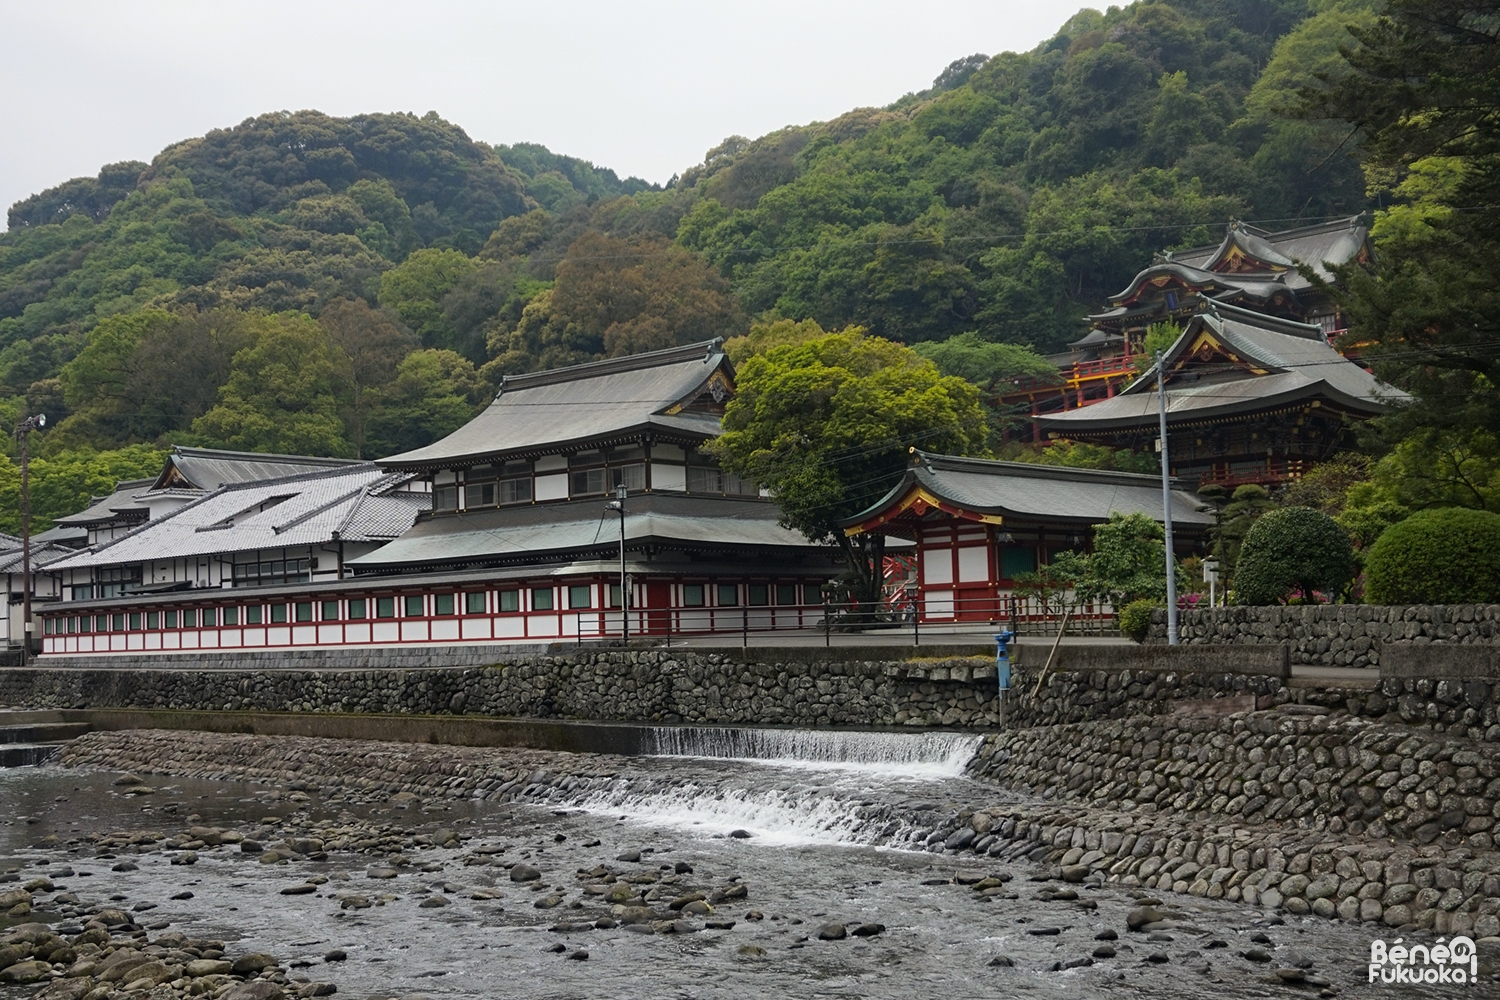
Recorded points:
23,432
1166,499
618,504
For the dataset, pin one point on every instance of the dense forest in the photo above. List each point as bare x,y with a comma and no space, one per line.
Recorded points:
358,286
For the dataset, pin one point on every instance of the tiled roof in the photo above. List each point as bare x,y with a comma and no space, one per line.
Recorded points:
119,504
1300,364
294,510
1038,492
536,531
1336,242
41,554
591,401
210,468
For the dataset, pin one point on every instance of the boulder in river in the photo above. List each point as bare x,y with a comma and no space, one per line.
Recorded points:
832,932
1143,915
252,963
258,989
25,972
524,873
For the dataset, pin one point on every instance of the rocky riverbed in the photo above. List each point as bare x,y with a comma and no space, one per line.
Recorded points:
452,871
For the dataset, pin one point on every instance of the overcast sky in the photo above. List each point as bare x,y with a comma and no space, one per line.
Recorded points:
645,88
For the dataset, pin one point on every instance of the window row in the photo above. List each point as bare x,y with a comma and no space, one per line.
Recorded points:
574,597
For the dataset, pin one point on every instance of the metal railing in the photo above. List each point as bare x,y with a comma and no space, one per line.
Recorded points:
904,619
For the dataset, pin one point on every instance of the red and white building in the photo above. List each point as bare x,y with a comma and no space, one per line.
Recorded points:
498,533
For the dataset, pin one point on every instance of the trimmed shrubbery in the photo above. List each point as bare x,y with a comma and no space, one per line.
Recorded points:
1448,555
1135,618
1290,551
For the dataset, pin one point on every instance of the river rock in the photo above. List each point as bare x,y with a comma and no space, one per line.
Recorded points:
339,955
207,967
1143,915
632,856
304,890
524,873
549,901
258,989
436,902
25,972
65,989
868,930
252,963
1003,961
114,968
832,932
635,915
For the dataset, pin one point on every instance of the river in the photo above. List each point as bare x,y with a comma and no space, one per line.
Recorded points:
818,827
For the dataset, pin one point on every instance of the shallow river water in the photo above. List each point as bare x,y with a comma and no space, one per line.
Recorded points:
813,809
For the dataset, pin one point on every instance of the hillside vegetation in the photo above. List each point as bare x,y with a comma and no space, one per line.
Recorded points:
358,286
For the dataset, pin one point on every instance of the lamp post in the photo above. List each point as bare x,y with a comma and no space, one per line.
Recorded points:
1166,500
23,433
618,504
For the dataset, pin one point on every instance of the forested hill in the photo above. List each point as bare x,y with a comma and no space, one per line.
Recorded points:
307,283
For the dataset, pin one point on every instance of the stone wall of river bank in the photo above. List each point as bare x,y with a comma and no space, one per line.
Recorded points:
1341,635
752,687
1321,813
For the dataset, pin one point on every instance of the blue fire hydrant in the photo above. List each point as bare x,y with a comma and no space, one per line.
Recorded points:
1002,659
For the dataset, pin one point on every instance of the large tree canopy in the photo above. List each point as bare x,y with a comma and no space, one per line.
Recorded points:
1422,89
827,425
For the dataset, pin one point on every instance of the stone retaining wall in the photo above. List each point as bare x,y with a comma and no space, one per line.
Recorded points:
1289,806
678,686
1346,635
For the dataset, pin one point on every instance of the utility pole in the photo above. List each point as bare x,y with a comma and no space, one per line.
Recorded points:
1166,499
618,503
23,432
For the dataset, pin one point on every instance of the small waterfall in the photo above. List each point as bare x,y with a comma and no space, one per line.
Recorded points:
913,755
27,754
805,786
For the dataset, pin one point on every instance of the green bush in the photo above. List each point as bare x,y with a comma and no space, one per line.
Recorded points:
1448,555
1135,618
1289,550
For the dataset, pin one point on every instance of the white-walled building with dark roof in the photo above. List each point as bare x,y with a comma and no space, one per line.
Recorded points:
496,533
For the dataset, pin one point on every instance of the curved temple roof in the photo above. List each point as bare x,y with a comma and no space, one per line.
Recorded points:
978,489
1295,362
548,410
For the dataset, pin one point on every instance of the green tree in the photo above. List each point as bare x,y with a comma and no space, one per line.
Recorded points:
1128,561
1234,516
1159,337
283,395
66,481
1440,556
1421,86
826,426
147,375
615,296
414,291
432,394
370,346
776,333
1293,551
